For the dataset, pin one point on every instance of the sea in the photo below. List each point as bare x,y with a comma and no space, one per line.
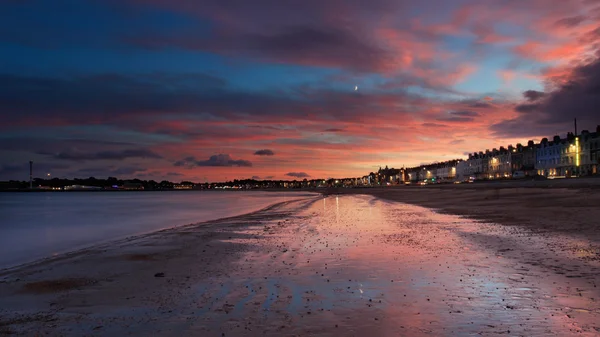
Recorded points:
39,225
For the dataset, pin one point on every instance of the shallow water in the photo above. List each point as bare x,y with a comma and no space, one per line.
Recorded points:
36,225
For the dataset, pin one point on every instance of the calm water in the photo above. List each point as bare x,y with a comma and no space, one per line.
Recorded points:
37,225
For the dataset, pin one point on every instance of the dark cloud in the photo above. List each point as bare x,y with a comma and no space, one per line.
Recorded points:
174,174
106,97
297,174
457,141
256,177
264,152
433,125
533,95
459,116
577,97
104,155
306,32
571,21
334,130
527,108
216,160
269,177
591,36
327,45
135,101
465,113
187,161
481,105
456,119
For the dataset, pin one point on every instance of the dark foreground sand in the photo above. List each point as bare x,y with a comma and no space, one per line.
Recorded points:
342,265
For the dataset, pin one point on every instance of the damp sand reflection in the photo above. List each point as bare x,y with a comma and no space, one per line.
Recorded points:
369,267
346,265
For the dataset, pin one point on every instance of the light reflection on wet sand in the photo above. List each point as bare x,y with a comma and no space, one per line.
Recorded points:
343,266
379,268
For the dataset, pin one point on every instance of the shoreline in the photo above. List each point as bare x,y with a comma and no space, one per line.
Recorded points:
81,249
100,266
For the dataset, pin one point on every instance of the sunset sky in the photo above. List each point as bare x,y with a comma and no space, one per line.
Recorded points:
284,89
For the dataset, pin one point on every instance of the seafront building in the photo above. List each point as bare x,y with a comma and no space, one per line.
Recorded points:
590,152
523,159
500,164
437,172
574,155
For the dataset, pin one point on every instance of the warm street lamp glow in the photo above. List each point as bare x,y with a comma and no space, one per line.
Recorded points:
577,151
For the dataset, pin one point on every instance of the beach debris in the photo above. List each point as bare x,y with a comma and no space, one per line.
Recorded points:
159,275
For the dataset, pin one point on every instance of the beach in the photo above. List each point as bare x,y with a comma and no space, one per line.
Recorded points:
408,261
37,225
566,205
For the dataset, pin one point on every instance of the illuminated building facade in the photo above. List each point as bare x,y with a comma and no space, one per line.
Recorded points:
499,164
589,152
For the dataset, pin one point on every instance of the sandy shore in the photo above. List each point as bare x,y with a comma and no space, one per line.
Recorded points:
571,206
345,265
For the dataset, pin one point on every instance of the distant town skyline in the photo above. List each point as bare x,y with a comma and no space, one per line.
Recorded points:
222,90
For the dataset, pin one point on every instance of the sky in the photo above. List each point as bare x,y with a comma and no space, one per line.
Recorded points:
207,90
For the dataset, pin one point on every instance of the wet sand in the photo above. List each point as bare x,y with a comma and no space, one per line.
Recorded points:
342,265
546,207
